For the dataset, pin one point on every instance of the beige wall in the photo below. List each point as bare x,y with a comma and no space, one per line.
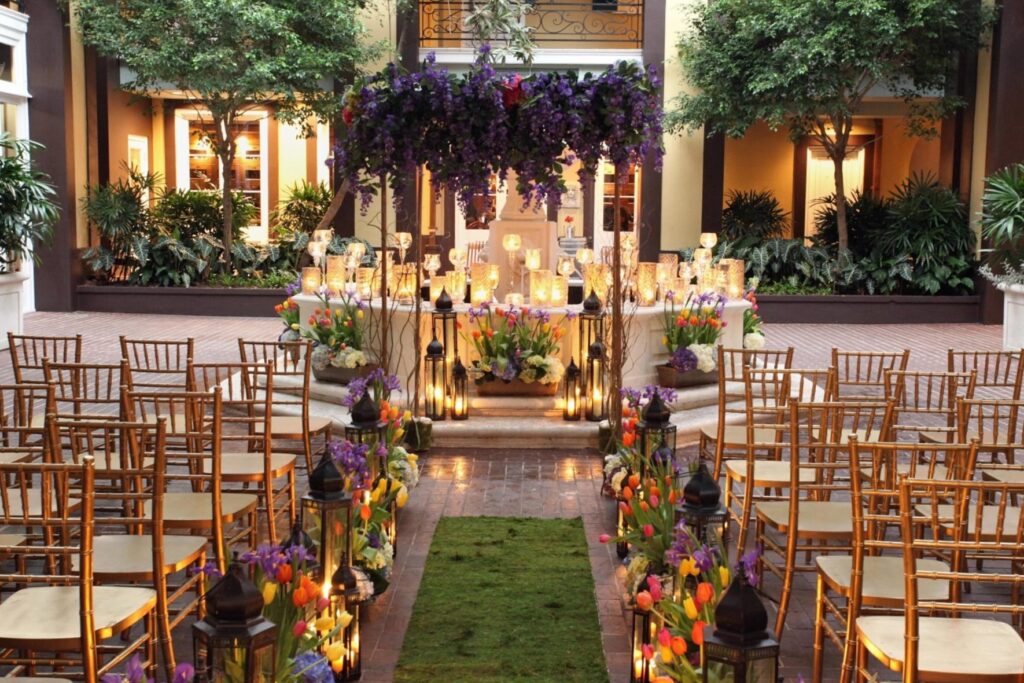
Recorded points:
903,155
760,160
125,117
683,169
291,160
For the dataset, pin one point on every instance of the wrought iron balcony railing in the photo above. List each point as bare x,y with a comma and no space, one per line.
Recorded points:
563,24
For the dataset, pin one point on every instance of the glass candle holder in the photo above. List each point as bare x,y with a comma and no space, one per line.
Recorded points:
403,240
584,257
559,291
565,267
540,288
456,285
514,299
364,282
532,259
721,277
493,275
647,283
479,291
336,274
671,259
405,283
437,284
357,250
595,279
478,274
310,280
511,242
736,283
458,257
708,240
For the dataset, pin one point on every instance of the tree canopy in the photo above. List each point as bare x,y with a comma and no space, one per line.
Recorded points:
809,64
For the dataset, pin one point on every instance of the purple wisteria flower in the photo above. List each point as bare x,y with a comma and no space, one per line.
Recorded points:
350,458
683,360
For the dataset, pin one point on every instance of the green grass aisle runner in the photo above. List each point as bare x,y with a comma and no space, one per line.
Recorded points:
502,599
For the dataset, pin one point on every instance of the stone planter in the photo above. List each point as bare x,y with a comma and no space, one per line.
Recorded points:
1013,315
419,435
333,375
11,313
668,376
516,387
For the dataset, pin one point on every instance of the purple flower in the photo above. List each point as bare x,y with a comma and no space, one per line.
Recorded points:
705,558
748,564
209,570
683,360
183,673
293,288
682,545
313,668
350,458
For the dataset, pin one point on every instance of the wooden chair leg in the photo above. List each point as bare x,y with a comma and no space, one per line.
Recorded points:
746,505
819,630
862,663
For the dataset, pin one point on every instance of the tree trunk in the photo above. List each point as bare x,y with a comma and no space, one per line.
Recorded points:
837,160
614,397
226,153
385,314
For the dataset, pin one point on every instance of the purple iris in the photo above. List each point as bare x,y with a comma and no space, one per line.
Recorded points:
683,360
748,564
350,458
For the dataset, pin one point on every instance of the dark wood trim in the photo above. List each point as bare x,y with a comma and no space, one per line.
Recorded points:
220,301
446,233
407,209
868,310
50,114
587,189
273,162
649,220
311,158
799,214
170,152
712,193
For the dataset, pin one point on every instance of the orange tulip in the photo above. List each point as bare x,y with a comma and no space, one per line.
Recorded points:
476,335
627,493
284,573
644,506
644,600
705,592
628,439
678,646
697,635
634,480
365,512
299,597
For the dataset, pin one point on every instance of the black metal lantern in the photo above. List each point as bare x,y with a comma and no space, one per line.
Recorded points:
741,650
344,604
655,429
444,321
299,538
367,428
460,391
327,516
572,397
234,642
591,330
702,510
644,627
437,381
595,390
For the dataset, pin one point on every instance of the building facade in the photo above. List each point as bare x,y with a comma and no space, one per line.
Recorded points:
94,130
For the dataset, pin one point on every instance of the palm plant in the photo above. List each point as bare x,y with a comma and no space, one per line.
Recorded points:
1002,222
753,214
27,211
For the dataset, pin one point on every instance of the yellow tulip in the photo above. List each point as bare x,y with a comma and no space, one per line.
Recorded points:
412,457
335,651
688,567
295,326
664,341
691,608
269,591
337,666
375,495
407,416
666,654
324,624
399,433
359,315
402,497
723,574
345,618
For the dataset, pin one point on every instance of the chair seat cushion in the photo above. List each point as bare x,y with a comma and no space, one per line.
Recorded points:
817,519
883,578
949,649
291,425
176,423
249,466
132,556
192,510
16,504
767,472
50,614
989,520
1009,475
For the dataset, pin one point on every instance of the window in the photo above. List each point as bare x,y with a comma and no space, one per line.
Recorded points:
138,157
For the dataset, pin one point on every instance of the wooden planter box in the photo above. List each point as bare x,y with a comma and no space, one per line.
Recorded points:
229,301
516,387
864,309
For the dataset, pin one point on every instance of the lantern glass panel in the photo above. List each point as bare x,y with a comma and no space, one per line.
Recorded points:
437,388
327,523
595,389
643,634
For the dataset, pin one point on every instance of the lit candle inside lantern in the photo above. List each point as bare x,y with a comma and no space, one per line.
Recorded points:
514,299
647,283
559,291
405,282
532,259
708,240
336,275
456,285
584,256
364,282
540,288
736,286
310,280
479,292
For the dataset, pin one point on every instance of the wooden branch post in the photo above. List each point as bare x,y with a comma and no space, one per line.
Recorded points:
385,315
615,367
418,301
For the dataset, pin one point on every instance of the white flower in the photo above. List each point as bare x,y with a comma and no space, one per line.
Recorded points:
753,341
553,371
616,480
705,356
349,358
321,358
611,463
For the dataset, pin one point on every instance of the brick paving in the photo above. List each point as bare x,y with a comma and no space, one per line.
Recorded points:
516,482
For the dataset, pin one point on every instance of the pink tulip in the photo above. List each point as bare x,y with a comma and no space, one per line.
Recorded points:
604,538
299,628
648,530
653,500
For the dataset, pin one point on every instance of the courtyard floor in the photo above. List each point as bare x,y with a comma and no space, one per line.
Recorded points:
516,482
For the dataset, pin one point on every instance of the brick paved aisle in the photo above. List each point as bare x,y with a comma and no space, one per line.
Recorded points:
516,482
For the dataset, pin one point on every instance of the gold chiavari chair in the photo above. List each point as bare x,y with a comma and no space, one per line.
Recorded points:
998,425
475,252
28,352
130,546
999,373
860,375
158,365
873,581
292,374
247,455
195,500
951,640
729,434
925,403
87,389
768,393
813,519
59,619
23,409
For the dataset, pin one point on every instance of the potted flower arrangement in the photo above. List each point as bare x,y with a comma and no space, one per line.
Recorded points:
338,336
27,216
1002,223
691,335
753,323
519,347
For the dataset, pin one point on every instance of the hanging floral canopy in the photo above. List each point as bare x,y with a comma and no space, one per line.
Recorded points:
465,128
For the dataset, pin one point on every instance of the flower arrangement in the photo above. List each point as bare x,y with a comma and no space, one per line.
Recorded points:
134,672
338,334
753,323
516,343
692,331
378,383
291,600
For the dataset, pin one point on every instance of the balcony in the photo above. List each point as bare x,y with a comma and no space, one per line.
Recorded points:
558,25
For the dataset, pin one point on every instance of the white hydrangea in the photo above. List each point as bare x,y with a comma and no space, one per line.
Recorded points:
705,356
553,371
753,341
321,357
617,479
611,462
349,358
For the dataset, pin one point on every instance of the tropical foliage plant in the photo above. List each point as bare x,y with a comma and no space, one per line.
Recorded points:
1002,223
753,214
27,209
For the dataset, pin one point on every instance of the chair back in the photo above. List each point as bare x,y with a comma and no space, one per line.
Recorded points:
860,375
995,423
23,409
38,496
926,402
998,372
292,370
87,388
945,519
157,365
247,390
28,352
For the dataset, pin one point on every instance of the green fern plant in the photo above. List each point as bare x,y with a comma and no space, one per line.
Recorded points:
753,214
1002,223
